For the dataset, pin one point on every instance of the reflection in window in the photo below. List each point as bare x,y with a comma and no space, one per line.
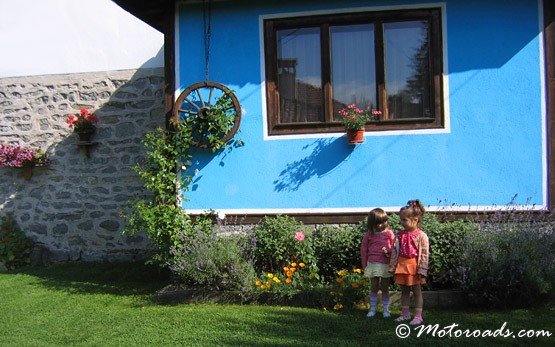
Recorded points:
407,71
299,75
353,67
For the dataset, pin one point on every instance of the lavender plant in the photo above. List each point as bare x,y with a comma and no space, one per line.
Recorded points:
204,258
510,261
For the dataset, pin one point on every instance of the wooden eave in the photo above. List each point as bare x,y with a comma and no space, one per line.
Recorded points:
152,12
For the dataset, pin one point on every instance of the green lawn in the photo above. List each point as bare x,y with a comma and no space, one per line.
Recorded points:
111,304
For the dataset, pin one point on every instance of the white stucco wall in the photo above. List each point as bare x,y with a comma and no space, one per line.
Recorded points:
70,36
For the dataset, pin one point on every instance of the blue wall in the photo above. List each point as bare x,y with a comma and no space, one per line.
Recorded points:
491,152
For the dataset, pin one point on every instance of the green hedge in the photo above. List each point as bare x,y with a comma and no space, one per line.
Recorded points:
337,247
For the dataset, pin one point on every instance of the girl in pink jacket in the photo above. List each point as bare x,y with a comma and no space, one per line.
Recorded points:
375,250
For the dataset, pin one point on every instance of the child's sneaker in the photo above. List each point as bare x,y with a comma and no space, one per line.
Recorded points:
371,314
416,321
386,314
402,319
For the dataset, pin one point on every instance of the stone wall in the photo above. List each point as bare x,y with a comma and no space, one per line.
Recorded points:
72,207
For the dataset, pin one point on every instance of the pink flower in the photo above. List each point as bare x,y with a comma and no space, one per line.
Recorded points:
299,236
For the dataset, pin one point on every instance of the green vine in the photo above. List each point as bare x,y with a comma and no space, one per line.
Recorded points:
160,215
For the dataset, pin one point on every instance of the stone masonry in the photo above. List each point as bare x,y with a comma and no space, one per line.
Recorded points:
73,207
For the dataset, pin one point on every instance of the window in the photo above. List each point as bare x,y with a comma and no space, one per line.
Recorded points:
389,61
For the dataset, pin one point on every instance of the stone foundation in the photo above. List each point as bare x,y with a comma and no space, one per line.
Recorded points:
72,208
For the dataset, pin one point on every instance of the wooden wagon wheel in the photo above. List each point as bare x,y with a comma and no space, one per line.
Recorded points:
211,110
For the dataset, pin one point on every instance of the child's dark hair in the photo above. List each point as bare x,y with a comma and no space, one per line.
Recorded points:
414,208
375,217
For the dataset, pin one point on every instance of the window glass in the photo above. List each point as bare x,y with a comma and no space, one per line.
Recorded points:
407,71
299,75
353,67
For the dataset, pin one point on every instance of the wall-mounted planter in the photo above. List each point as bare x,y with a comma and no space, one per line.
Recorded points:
85,141
22,157
27,171
85,136
355,136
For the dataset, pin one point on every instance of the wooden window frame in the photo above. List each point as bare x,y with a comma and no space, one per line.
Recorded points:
271,26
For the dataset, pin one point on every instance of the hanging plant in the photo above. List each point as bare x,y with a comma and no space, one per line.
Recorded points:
83,124
211,112
22,157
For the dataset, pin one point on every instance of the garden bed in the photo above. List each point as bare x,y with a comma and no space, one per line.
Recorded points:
175,294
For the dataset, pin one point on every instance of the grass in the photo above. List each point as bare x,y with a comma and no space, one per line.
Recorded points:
112,305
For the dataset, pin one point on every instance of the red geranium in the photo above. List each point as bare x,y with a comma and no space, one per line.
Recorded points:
83,122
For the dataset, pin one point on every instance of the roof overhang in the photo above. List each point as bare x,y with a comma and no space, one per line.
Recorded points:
152,12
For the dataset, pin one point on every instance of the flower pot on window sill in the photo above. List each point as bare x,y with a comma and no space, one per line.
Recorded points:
355,136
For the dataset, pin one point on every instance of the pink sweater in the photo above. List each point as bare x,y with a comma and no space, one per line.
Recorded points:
371,248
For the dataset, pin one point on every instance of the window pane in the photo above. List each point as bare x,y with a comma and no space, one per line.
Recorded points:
407,74
353,67
300,75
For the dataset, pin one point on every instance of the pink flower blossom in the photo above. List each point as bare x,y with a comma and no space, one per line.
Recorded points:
17,156
299,236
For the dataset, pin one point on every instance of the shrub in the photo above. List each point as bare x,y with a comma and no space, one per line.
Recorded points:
15,247
509,261
281,239
337,247
162,224
446,247
204,258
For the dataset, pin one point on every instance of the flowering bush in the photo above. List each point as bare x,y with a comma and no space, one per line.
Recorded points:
355,118
17,156
281,239
294,276
83,122
349,288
